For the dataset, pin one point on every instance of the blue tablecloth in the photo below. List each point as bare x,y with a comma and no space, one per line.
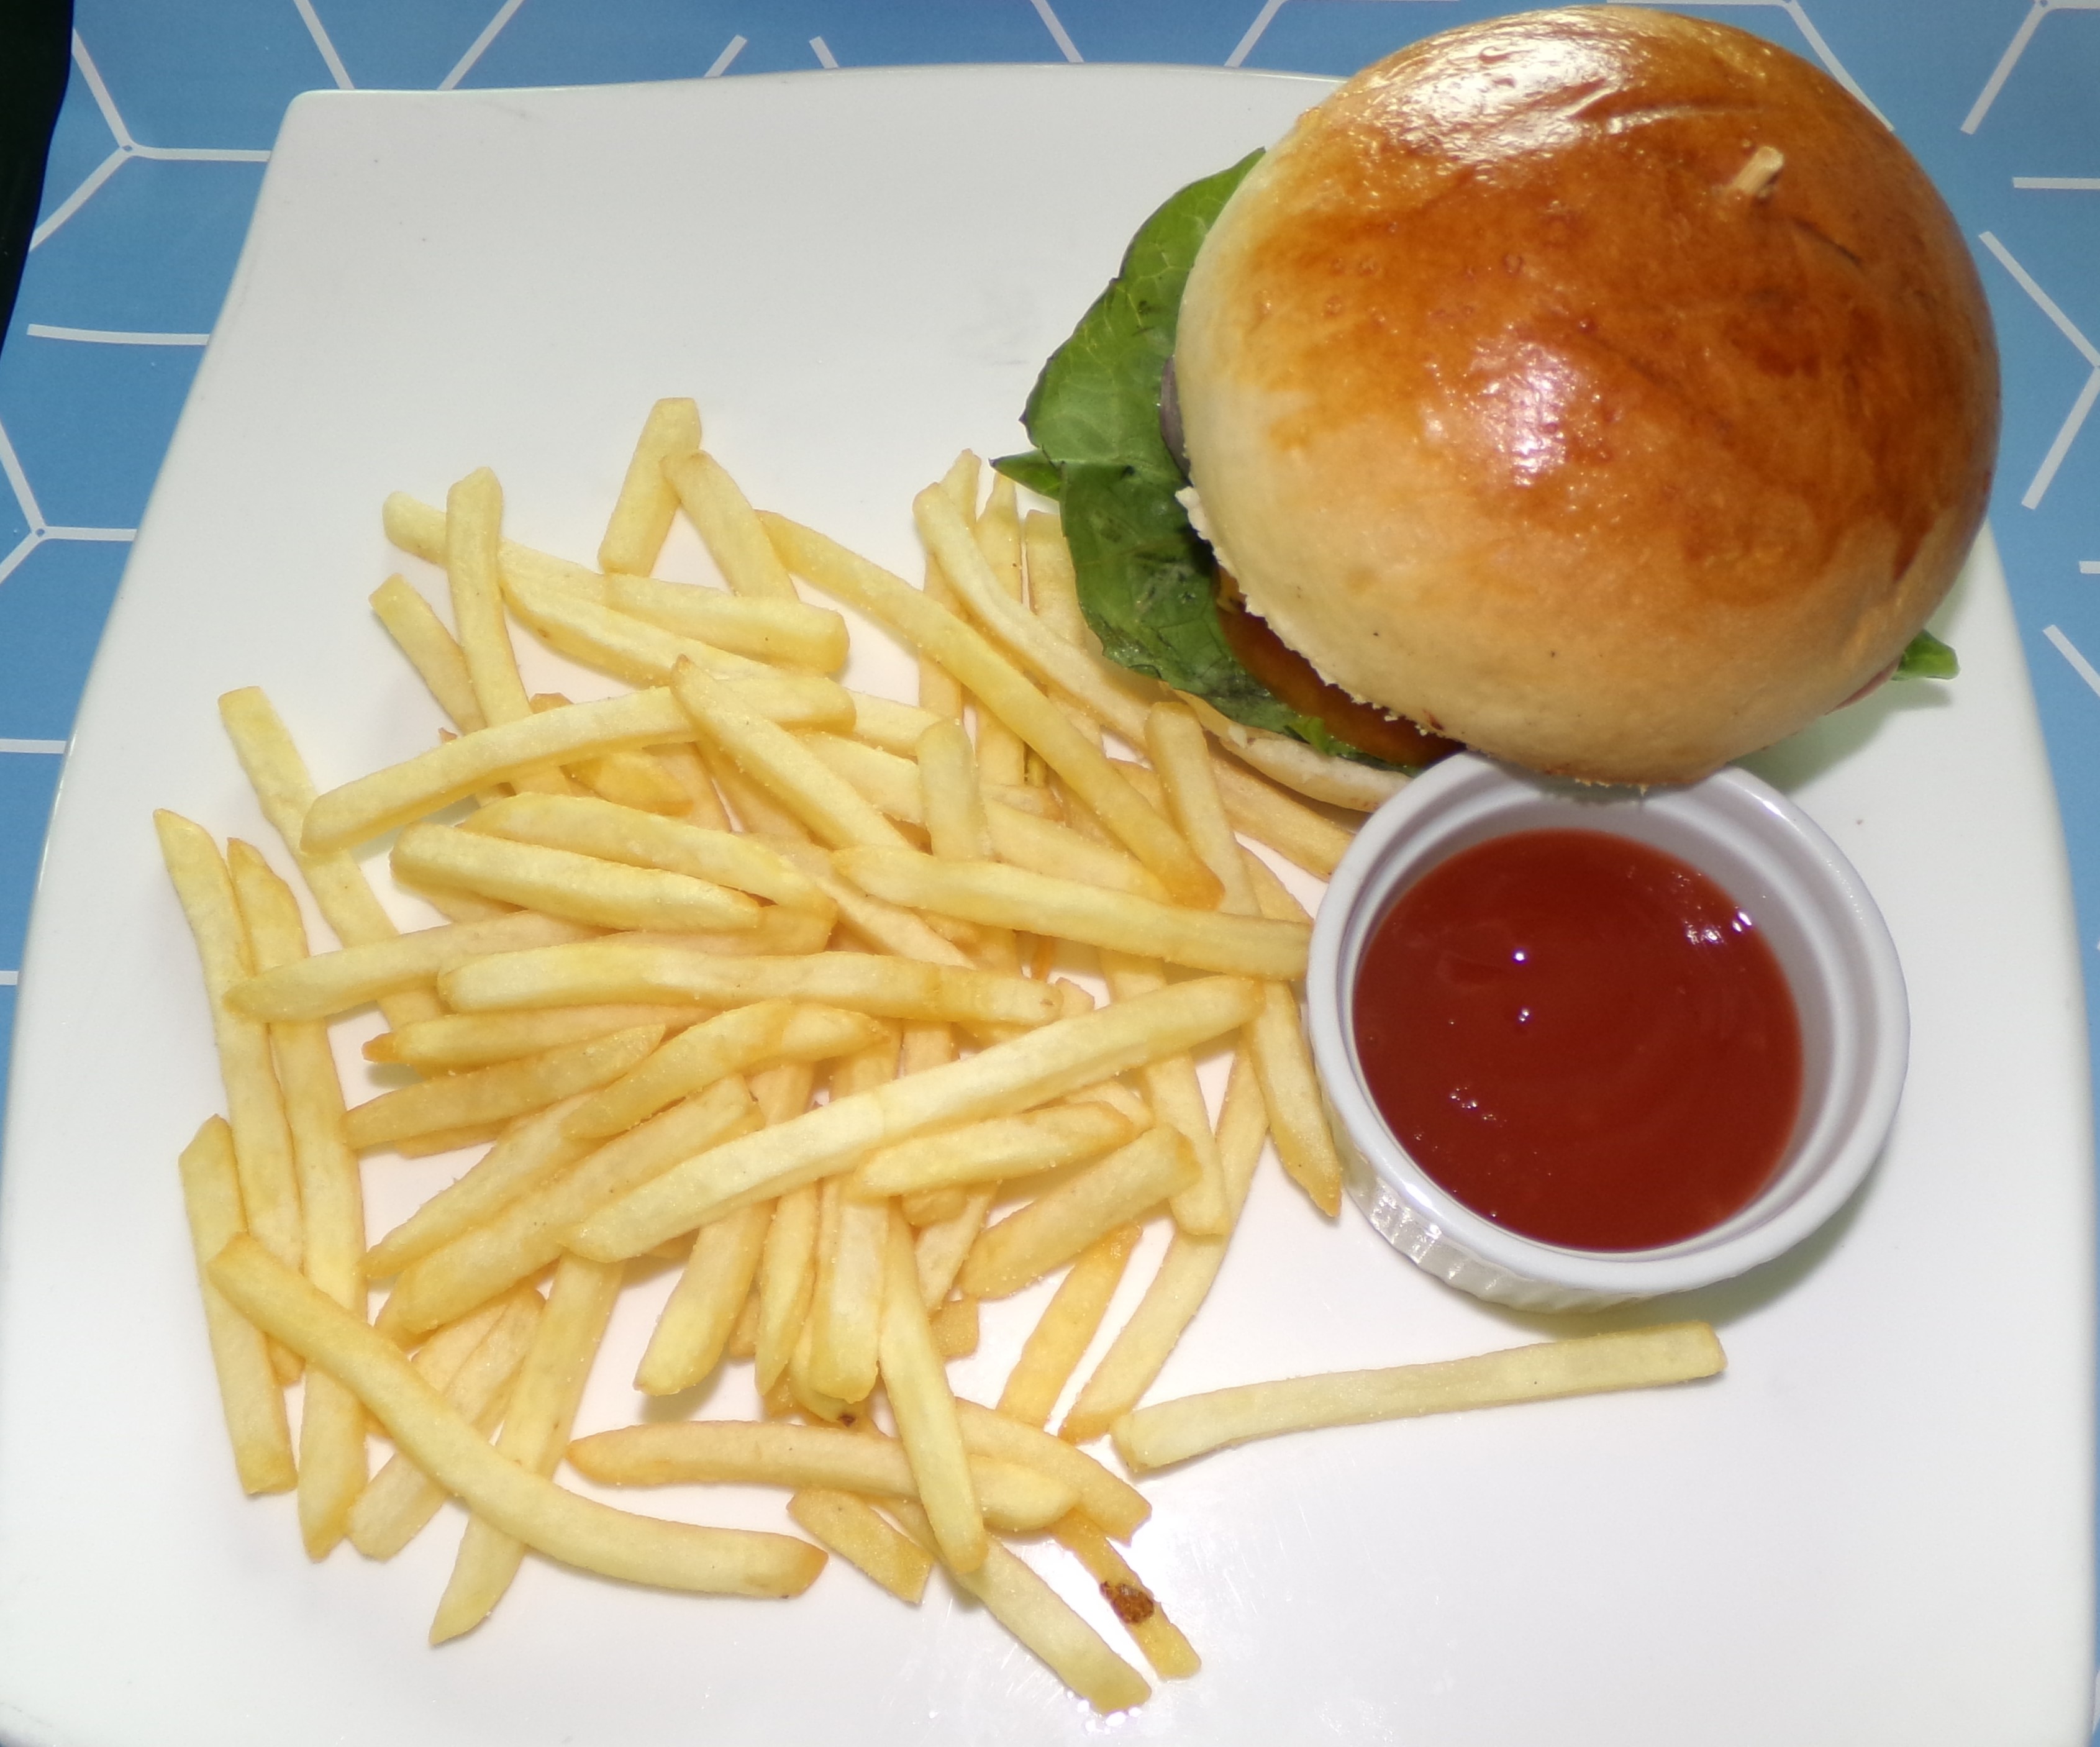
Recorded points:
170,111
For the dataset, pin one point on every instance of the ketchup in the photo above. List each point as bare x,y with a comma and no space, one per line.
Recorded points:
1581,1038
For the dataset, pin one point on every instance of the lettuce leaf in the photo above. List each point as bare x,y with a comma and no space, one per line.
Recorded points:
1927,658
1148,582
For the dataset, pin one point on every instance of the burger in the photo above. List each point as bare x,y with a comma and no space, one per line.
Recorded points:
1605,391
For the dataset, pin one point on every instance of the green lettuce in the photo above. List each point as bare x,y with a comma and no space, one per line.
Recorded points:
1148,582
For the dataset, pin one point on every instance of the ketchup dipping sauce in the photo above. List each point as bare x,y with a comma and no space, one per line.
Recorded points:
1581,1038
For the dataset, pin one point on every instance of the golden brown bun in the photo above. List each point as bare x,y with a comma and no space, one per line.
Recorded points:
1514,416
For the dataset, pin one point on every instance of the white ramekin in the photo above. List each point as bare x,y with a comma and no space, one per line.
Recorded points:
1805,897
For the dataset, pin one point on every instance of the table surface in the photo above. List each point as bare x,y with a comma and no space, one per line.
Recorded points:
170,113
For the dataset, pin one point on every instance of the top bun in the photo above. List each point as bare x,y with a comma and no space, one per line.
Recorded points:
1607,390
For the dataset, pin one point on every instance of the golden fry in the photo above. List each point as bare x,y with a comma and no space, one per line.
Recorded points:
642,514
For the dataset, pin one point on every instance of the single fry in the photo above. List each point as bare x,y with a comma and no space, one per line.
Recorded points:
772,1452
574,1530
994,1150
333,982
535,1431
770,756
642,514
431,650
474,517
695,1328
1054,1229
1002,689
561,883
779,629
853,1529
1171,1656
846,1310
916,1381
613,833
727,527
494,1095
1153,1437
446,1044
742,1038
255,1107
942,1247
954,1325
587,631
248,1389
332,1458
1069,1321
1006,1078
612,971
1040,1618
1014,897
400,794
401,1499
786,1278
1176,1292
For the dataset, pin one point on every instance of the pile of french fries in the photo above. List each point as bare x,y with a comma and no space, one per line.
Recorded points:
753,972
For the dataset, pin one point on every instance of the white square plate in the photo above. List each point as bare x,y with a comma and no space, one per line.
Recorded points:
1875,1528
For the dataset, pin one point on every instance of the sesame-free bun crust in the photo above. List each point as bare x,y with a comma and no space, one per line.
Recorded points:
1519,409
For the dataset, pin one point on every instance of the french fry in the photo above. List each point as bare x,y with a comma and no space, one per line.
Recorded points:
954,1325
331,1459
1265,813
727,527
527,1154
684,766
401,1499
329,983
768,1452
786,1277
598,636
741,1038
1109,1500
1155,1437
695,1328
853,1529
495,1095
1170,1654
776,629
997,534
278,776
846,1311
1069,1321
630,778
431,650
917,1382
994,1150
642,514
901,932
255,1108
991,892
1052,1229
474,517
529,1231
1001,687
1053,584
400,794
1176,1292
535,1431
1276,1039
773,758
887,987
1177,1098
249,1394
998,1081
942,1247
599,828
446,1044
884,723
1041,1620
573,1530
561,883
